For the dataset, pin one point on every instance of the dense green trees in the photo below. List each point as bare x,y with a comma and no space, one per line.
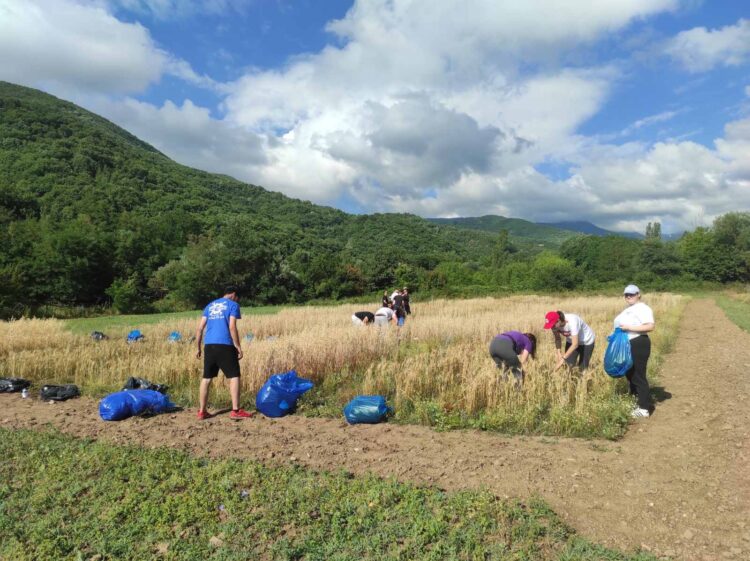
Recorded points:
89,214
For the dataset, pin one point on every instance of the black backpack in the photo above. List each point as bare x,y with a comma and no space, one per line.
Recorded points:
59,393
9,385
98,336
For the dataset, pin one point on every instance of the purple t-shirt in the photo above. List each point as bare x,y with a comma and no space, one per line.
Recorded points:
520,341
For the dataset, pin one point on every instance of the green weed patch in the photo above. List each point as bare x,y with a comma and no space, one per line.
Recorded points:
63,498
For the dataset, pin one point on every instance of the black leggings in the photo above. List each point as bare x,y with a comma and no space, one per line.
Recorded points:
641,349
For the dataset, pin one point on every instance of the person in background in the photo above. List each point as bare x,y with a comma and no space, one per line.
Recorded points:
637,320
394,294
386,299
579,344
363,318
510,351
385,315
398,307
222,350
407,306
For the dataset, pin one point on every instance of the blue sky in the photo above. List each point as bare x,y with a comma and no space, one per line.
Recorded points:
619,113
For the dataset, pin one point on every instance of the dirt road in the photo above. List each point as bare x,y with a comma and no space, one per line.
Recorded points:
677,485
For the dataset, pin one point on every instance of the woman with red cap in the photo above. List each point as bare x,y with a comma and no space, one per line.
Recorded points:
579,339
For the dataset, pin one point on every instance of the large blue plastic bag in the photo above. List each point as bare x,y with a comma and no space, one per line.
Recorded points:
618,358
278,396
366,409
121,405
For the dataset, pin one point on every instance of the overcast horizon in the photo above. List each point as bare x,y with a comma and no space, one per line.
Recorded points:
620,114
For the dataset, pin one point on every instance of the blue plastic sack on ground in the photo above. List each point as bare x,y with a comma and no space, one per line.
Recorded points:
174,337
366,409
278,396
121,405
135,336
618,358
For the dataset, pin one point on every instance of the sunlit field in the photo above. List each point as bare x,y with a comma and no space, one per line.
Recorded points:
436,370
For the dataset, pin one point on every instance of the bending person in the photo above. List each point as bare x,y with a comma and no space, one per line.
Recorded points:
637,320
385,315
510,351
579,339
363,318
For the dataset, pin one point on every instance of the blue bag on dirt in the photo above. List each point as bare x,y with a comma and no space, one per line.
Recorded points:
618,358
121,405
278,396
366,409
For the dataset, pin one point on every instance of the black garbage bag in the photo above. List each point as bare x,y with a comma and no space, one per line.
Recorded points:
10,385
98,336
133,383
59,393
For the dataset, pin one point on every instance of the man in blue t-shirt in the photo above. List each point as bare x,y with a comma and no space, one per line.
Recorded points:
222,350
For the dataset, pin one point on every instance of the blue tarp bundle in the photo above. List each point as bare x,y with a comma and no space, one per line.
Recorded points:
175,337
278,396
129,403
366,409
618,358
135,336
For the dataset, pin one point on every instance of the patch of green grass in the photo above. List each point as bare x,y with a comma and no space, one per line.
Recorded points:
63,498
107,324
736,310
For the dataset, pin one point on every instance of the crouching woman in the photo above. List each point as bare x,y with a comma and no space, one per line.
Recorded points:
510,351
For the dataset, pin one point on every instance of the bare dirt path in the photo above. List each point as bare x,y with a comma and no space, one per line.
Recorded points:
677,485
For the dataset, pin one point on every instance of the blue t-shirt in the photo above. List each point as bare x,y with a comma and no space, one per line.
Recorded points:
217,315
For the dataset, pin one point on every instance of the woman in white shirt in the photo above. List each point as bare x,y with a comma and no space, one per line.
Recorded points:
579,339
637,320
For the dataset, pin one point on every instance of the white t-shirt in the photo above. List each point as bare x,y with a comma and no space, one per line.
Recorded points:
387,312
637,314
574,325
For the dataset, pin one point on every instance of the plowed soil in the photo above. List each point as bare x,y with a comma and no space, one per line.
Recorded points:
677,485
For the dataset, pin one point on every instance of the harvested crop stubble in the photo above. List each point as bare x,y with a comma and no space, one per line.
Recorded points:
439,360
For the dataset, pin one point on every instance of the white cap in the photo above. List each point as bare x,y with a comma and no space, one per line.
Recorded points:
631,289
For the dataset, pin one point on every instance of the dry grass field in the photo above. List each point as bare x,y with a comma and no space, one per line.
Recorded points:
435,370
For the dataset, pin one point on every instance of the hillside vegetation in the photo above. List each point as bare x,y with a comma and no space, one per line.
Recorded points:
90,214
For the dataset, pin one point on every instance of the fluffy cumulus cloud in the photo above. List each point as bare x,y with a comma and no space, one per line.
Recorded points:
189,135
433,107
70,46
422,103
700,49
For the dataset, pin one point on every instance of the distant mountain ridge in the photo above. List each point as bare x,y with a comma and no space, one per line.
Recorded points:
584,227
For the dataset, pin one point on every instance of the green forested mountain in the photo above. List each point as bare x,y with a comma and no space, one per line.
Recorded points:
522,231
89,212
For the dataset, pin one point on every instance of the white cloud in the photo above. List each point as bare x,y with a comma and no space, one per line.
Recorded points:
189,135
700,49
70,46
420,95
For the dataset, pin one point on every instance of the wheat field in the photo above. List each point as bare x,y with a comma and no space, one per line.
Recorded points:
434,370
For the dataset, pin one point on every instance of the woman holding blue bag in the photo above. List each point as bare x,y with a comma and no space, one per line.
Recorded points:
637,320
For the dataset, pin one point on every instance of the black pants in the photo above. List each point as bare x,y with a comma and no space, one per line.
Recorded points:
641,348
581,356
505,357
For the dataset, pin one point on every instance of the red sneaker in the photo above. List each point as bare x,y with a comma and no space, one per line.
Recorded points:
203,415
240,414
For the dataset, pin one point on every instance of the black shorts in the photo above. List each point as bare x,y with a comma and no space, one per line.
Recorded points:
222,357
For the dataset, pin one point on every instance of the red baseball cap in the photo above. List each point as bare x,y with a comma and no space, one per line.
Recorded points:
552,318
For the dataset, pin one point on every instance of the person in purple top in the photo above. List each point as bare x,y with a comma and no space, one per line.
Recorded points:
222,350
510,351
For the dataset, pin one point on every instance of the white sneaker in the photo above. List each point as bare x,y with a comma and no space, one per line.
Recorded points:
638,412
